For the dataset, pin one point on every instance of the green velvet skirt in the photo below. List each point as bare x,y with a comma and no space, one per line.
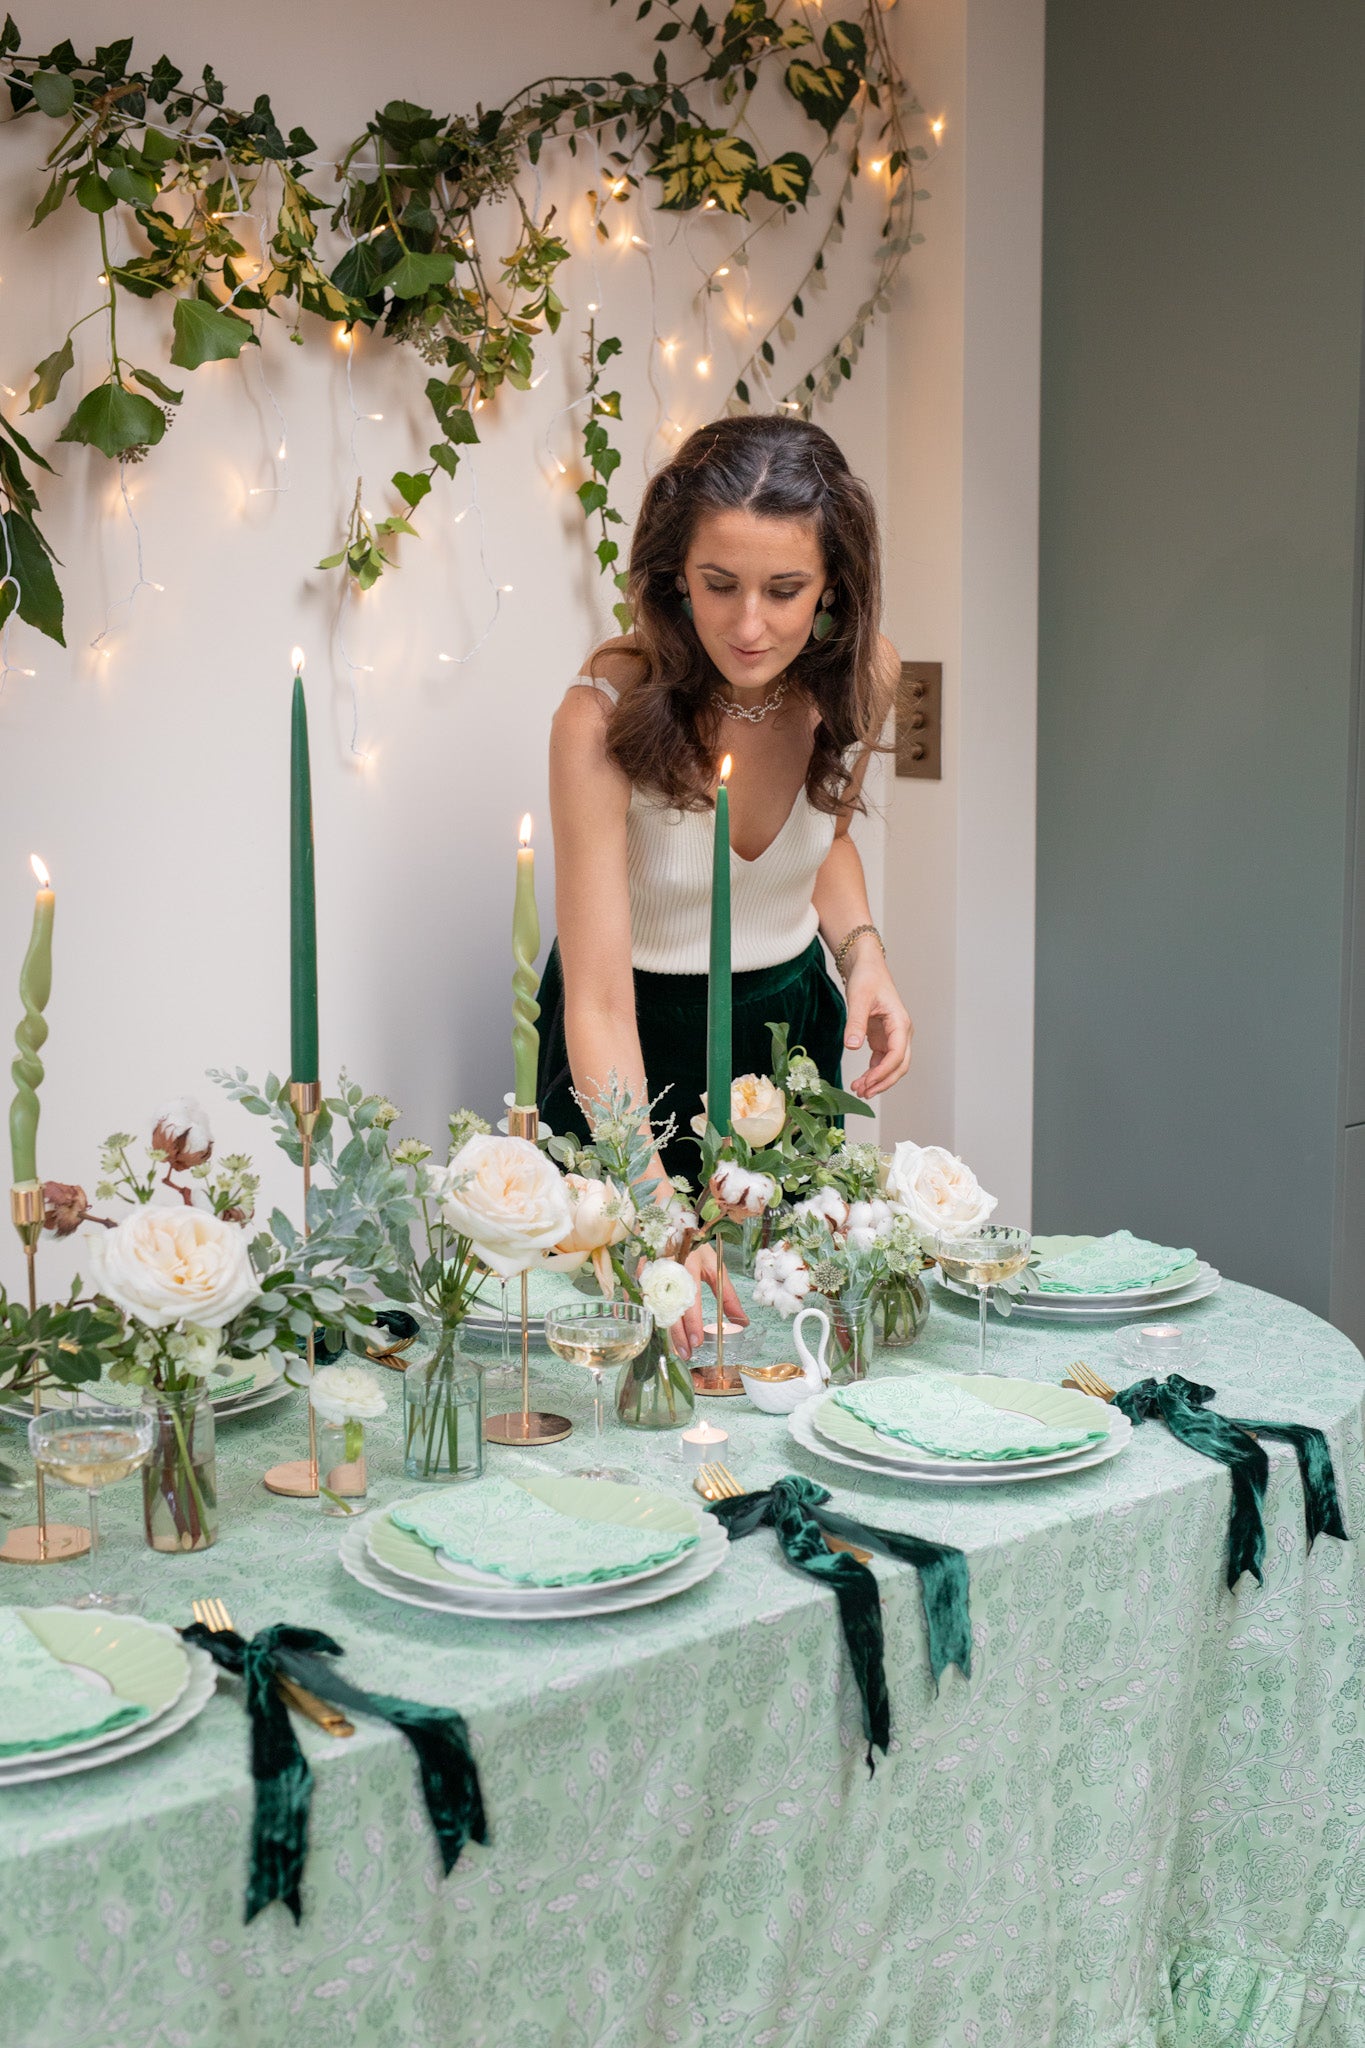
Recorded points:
670,1010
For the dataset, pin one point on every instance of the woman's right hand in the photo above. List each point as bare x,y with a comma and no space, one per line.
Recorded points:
685,1334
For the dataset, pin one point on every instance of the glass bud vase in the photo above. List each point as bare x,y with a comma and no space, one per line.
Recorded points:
180,1479
853,1315
443,1414
654,1390
902,1312
342,1481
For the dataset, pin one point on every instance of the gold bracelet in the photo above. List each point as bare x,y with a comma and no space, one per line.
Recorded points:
859,931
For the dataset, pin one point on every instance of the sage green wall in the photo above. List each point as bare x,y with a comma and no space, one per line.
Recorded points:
1204,211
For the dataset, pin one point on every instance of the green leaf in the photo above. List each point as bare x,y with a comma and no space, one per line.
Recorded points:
113,419
206,334
414,275
47,378
55,94
592,496
134,186
154,384
444,456
94,193
159,148
332,561
52,198
411,488
39,595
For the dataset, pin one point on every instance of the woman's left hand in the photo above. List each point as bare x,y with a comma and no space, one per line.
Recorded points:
876,1015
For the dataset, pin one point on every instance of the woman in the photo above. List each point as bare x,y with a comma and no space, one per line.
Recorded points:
755,590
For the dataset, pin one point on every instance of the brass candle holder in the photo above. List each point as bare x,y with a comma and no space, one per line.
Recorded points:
525,1426
40,1542
715,1379
297,1479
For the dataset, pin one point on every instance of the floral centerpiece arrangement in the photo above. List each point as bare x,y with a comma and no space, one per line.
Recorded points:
635,1231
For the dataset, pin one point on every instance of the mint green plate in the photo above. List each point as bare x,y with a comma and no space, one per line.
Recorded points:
591,1500
1058,1247
1056,1406
142,1662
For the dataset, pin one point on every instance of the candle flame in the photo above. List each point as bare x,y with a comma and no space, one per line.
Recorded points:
725,767
524,835
39,868
296,657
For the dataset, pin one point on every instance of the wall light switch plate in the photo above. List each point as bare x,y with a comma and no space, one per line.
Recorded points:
919,720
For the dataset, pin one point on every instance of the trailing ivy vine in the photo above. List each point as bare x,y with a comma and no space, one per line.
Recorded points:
180,170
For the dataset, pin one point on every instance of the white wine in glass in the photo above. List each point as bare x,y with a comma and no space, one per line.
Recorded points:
992,1254
597,1334
92,1445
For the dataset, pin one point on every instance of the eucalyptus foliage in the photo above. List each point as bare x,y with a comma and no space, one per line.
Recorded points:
181,170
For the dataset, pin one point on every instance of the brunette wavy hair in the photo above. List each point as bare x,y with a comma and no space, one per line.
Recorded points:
663,731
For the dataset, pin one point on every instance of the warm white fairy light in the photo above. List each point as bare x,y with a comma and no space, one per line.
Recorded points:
703,366
638,242
936,129
342,337
374,415
539,379
9,391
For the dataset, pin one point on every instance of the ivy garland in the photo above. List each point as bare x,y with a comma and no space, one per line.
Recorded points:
187,168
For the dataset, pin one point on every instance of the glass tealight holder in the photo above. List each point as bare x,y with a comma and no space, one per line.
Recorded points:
1154,1349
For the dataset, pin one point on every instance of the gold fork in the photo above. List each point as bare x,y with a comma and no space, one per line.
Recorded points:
215,1618
718,1482
1087,1382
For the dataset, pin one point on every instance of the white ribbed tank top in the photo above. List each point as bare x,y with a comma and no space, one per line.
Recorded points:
668,867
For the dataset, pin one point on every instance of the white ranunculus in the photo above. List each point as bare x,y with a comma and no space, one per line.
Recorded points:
602,1216
758,1111
940,1194
508,1199
867,1224
194,1350
825,1202
164,1266
781,1280
742,1195
346,1393
667,1289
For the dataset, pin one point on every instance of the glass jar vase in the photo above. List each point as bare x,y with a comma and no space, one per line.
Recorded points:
902,1311
443,1414
180,1479
342,1479
853,1316
654,1390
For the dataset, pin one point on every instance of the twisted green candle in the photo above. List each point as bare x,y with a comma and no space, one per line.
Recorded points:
35,986
525,980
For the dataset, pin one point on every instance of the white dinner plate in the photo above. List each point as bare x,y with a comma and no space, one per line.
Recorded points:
192,1701
847,1432
1054,1307
143,1663
572,1603
801,1426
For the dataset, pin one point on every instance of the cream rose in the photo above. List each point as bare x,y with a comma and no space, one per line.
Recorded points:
758,1111
741,1195
667,1289
941,1195
507,1199
602,1216
164,1266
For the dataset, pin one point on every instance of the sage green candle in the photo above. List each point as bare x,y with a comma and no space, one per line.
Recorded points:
718,1059
303,916
35,986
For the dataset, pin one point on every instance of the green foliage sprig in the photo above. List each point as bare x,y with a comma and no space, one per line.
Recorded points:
181,169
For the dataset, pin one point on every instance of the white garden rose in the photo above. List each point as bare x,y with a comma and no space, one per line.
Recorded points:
827,1203
781,1280
602,1216
164,1266
758,1111
346,1393
867,1223
742,1195
932,1185
667,1289
508,1199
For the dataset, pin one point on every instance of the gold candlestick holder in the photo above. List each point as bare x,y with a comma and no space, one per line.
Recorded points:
526,1426
297,1479
40,1542
715,1378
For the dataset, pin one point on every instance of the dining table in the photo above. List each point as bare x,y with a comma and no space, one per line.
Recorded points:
1139,1823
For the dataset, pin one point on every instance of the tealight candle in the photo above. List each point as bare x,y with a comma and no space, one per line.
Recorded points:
1154,1335
703,1442
731,1330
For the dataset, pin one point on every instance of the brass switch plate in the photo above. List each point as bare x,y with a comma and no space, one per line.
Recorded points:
919,720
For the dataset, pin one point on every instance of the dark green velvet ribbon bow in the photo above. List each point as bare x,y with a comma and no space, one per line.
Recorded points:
284,1783
1180,1404
795,1509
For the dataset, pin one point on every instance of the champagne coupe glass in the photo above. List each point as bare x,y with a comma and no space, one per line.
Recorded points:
92,1444
598,1334
989,1255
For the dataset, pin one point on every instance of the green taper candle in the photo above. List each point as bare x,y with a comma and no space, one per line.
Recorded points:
35,986
525,980
718,1060
303,914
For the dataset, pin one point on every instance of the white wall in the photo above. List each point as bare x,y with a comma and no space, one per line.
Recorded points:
155,782
963,441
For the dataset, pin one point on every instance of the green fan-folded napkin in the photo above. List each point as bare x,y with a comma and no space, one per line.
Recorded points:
1111,1265
44,1703
502,1528
934,1413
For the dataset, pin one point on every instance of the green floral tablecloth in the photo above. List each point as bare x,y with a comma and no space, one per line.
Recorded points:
1141,1825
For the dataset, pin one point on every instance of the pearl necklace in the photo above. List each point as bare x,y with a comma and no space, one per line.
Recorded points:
759,712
